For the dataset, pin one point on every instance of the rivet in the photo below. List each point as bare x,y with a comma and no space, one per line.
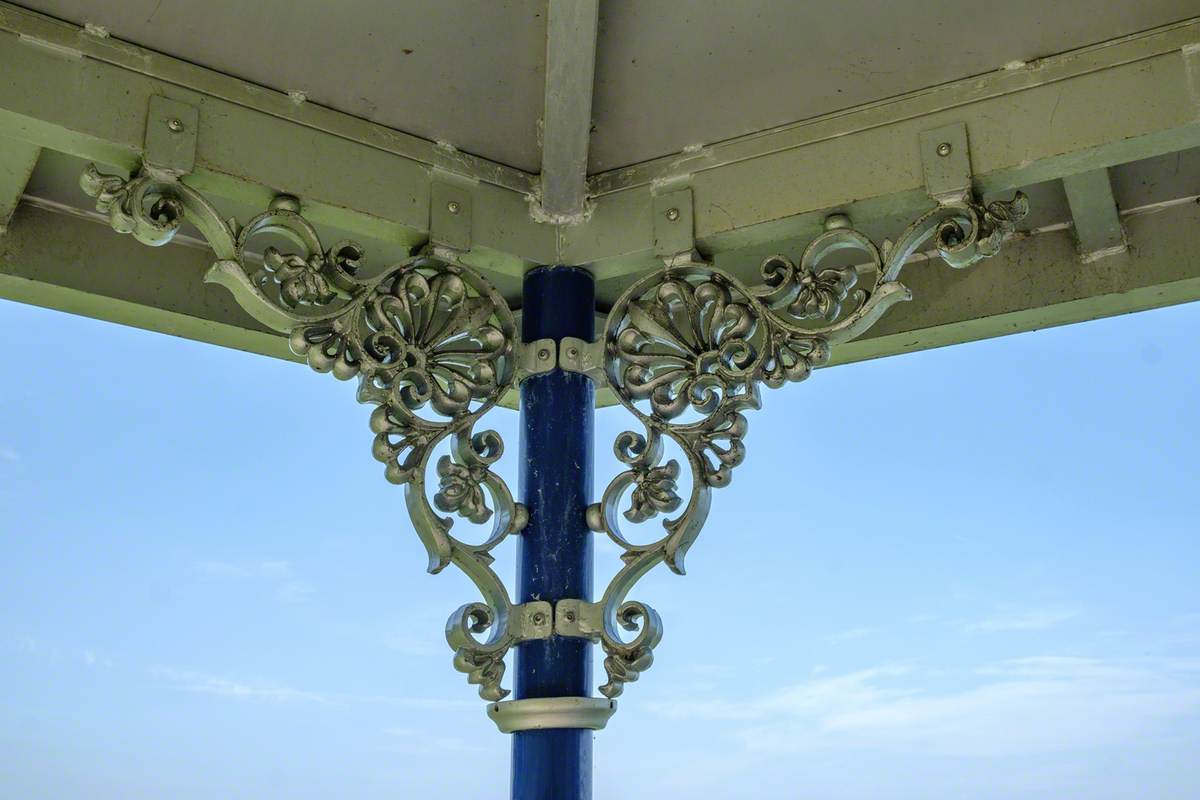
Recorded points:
672,214
285,202
570,615
175,125
539,618
453,207
944,149
572,352
837,222
543,354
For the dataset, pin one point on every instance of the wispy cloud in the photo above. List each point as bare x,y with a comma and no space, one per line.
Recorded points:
93,659
1020,706
190,681
270,692
52,654
288,586
1035,620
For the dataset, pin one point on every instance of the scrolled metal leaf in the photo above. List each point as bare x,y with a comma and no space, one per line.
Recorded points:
430,342
686,351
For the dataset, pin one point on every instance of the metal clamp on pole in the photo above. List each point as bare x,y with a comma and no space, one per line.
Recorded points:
536,358
586,358
571,354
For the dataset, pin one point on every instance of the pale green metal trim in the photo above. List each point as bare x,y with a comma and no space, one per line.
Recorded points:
1038,282
76,265
17,160
69,91
70,40
1126,100
1013,79
571,27
1094,212
542,713
1132,98
73,264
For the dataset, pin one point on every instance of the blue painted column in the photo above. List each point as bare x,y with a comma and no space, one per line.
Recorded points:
554,552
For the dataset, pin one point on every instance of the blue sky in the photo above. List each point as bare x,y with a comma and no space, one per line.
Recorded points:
969,572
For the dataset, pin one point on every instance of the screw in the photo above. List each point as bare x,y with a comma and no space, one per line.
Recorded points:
539,618
944,149
453,207
572,352
570,615
672,214
543,354
175,125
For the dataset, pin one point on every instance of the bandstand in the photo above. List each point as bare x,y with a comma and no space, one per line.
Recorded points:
473,207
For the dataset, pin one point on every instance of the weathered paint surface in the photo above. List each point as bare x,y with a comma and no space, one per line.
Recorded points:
554,552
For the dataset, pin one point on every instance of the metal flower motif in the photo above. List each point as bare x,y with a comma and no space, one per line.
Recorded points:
417,341
654,493
461,490
300,279
433,343
821,294
806,293
793,357
803,292
687,345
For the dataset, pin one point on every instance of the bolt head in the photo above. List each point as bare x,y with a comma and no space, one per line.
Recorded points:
543,354
539,618
572,353
453,207
175,125
672,214
570,615
944,149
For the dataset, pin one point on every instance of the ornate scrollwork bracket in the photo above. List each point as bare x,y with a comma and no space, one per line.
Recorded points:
686,350
433,346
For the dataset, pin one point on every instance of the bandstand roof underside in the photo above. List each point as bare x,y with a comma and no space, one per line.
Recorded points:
770,116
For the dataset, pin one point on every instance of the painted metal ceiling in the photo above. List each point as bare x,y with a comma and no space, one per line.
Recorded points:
669,75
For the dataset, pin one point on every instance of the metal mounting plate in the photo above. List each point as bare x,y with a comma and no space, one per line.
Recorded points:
946,160
674,230
170,147
450,215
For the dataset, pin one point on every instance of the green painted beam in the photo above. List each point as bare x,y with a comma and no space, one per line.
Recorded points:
1094,214
1132,98
69,263
1038,282
571,27
78,265
1122,101
17,160
66,90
